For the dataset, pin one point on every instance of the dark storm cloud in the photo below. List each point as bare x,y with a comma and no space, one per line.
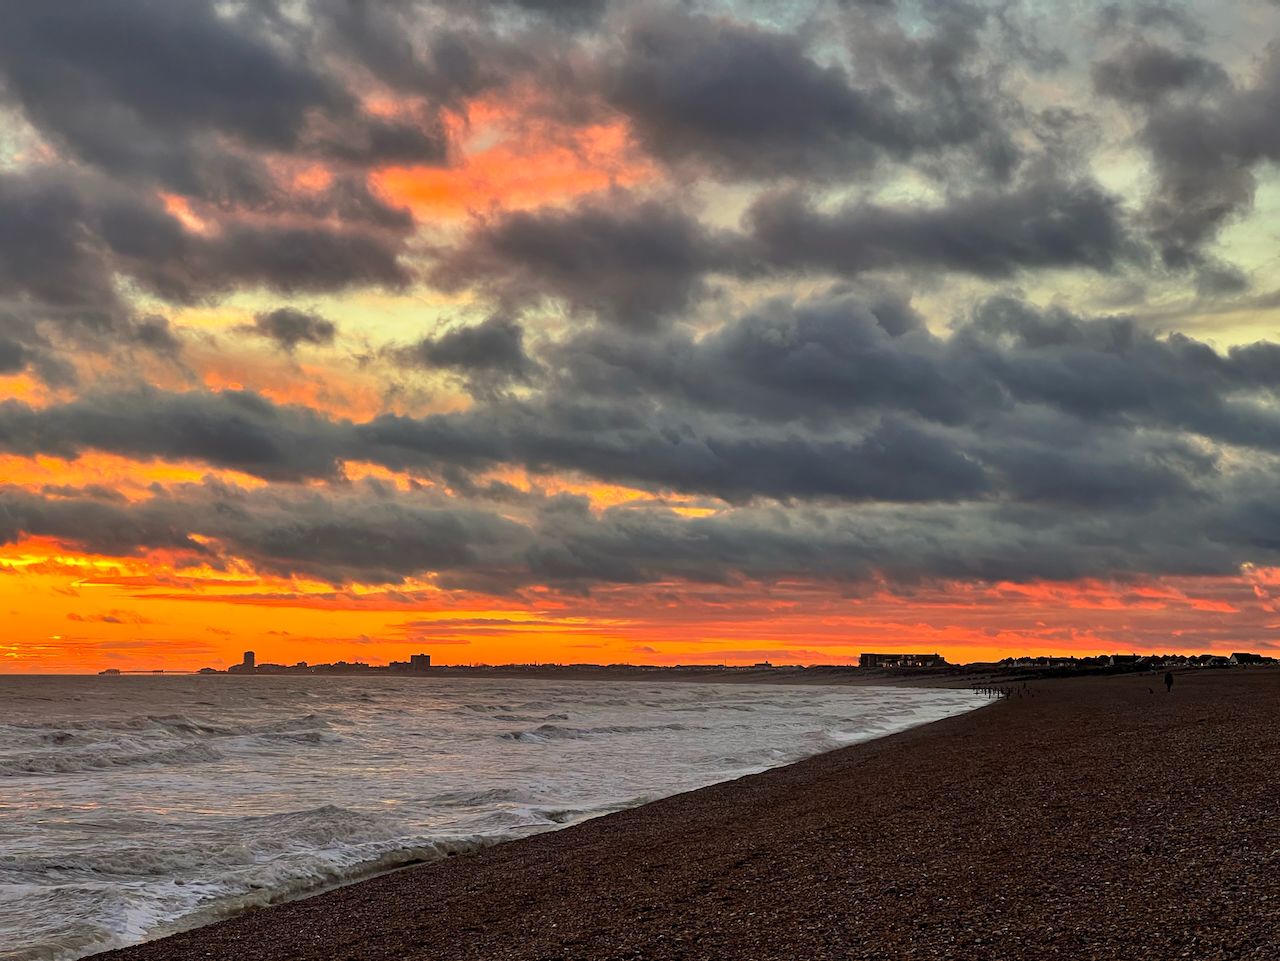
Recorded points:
1149,17
835,436
157,89
65,238
1145,73
59,258
292,259
826,400
368,535
627,260
288,328
13,356
1206,137
49,246
664,450
1027,444
752,103
495,345
235,430
97,525
636,262
350,200
987,233
338,538
446,51
368,538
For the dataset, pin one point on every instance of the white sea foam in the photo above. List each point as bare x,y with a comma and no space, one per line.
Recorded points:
133,806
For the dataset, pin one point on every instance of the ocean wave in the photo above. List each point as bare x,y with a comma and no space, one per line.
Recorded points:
51,762
72,747
555,732
92,917
478,798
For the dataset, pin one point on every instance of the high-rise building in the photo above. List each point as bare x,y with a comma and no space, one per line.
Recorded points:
419,662
250,659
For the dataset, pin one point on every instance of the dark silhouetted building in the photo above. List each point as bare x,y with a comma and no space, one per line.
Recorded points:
1242,659
882,661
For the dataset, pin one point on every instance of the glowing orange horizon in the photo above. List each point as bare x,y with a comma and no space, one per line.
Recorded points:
74,612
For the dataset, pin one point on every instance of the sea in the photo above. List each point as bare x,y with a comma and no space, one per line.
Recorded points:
135,806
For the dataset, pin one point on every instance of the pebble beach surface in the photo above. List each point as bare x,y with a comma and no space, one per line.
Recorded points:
1080,819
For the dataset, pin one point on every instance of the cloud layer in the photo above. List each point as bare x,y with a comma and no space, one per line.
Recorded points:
557,297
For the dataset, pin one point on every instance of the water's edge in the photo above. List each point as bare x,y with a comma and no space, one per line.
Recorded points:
411,857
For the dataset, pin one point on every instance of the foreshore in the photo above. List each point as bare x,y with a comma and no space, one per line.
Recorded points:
1087,818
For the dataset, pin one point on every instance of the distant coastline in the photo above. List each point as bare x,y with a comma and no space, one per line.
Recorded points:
1007,671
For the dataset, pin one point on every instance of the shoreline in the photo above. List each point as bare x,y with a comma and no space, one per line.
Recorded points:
1088,818
436,849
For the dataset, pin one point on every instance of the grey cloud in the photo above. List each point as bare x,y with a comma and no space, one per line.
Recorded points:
630,261
987,233
291,259
60,255
825,400
13,356
494,346
66,238
50,251
365,536
289,328
635,262
1150,16
1146,73
97,525
751,103
170,90
235,430
1205,150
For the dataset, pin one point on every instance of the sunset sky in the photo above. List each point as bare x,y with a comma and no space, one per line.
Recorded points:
687,332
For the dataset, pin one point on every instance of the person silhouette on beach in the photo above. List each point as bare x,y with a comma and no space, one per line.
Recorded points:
1168,681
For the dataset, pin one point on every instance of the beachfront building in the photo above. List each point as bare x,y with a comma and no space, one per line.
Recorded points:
1242,659
886,661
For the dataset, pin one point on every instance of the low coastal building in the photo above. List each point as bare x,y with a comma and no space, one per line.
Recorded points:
886,661
1243,659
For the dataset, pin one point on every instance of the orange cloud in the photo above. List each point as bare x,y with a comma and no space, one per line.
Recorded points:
124,476
507,160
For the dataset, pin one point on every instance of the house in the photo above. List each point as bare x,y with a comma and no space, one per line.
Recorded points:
1242,659
885,661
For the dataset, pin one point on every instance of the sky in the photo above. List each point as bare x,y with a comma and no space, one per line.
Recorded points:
591,331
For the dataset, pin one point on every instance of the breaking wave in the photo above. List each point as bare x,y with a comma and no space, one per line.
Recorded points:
553,732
